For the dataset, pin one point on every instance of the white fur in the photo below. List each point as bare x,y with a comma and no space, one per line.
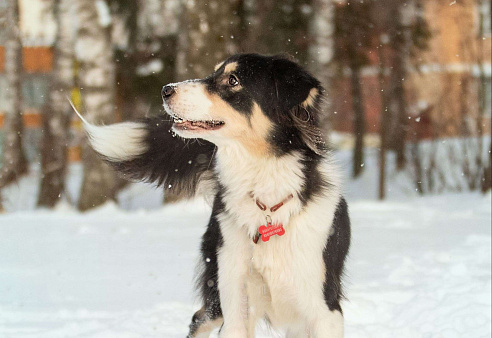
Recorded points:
270,179
197,109
118,142
284,277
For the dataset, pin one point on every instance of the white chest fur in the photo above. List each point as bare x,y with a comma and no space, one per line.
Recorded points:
284,277
246,178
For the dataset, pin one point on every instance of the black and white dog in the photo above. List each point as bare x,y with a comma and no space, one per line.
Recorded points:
276,242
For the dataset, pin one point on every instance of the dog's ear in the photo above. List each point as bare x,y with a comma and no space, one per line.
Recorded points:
293,85
300,94
305,120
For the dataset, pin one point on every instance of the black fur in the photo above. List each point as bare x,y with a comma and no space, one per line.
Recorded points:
176,163
207,281
211,242
314,183
334,256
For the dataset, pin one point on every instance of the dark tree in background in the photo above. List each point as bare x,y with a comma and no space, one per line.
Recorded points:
14,163
486,179
408,34
147,44
384,122
321,53
57,114
402,33
352,40
126,57
206,36
398,35
281,27
398,32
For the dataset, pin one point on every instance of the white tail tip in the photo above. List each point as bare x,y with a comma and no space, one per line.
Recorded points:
77,112
117,142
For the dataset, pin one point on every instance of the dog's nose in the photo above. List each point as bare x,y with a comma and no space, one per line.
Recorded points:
167,92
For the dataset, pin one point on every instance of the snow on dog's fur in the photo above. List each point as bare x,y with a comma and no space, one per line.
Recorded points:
250,133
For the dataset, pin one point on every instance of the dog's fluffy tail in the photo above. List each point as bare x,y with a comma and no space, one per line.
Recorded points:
149,151
117,142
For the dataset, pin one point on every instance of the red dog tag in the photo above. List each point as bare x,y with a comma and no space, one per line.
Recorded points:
269,231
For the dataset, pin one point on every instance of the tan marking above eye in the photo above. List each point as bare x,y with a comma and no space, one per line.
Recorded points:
217,66
230,67
313,93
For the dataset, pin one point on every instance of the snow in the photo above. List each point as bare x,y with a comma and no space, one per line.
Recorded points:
107,273
418,267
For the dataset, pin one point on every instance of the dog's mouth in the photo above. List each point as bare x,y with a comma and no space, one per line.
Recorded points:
183,124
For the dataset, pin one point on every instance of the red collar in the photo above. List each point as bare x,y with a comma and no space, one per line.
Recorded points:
263,207
277,206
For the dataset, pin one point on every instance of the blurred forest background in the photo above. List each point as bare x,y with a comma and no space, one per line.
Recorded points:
409,78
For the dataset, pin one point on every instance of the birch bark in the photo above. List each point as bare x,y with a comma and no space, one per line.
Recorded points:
97,81
56,118
14,163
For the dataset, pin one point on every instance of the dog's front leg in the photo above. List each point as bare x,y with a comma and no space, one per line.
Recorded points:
232,261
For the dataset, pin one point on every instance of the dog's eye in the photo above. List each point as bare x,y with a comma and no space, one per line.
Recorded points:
233,81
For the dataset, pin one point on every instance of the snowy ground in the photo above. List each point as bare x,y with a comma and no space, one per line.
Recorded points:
418,267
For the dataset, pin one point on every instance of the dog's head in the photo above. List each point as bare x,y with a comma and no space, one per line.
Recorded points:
268,104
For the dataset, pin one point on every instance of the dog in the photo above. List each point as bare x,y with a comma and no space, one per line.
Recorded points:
249,135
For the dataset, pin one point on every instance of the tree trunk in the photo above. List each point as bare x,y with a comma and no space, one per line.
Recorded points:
398,104
359,120
207,37
56,118
487,179
321,51
126,73
14,163
383,125
97,82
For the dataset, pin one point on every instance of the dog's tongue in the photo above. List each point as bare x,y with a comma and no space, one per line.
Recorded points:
200,124
189,125
196,125
186,125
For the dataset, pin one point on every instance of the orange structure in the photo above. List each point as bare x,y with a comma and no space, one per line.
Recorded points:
38,61
34,59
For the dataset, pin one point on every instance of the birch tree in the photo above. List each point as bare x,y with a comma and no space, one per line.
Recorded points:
321,50
56,118
14,163
97,82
